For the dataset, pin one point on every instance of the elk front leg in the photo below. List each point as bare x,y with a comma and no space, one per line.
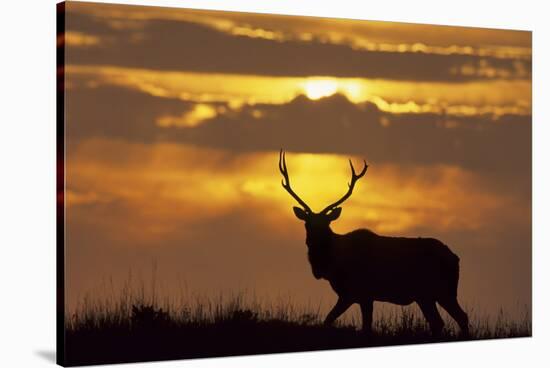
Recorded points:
340,307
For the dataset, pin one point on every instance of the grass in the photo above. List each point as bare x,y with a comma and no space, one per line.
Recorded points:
131,328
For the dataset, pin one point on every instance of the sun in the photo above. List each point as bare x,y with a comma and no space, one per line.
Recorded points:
318,88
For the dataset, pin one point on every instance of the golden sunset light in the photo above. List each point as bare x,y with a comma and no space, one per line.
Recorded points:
192,118
317,88
78,39
176,121
472,98
388,206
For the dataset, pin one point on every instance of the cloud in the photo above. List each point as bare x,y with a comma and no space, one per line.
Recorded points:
334,125
118,112
79,39
181,45
496,98
328,125
198,114
359,34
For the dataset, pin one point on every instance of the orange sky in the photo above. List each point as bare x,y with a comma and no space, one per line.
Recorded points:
175,118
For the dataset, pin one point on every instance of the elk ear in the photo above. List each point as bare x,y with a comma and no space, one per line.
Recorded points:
334,213
300,213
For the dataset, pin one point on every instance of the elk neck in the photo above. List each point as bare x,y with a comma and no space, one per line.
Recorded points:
319,242
319,237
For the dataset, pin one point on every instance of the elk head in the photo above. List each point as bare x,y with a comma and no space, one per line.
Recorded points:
318,224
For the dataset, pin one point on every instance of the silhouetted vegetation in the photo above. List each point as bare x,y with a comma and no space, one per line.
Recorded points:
132,329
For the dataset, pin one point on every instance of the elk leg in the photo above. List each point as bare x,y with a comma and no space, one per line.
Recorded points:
340,307
429,309
453,308
366,313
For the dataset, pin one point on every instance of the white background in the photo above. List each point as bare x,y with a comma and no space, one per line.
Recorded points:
27,181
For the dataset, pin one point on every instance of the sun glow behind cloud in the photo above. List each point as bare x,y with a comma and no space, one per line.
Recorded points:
320,87
177,185
495,98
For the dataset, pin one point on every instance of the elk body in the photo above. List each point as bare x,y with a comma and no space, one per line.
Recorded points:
363,267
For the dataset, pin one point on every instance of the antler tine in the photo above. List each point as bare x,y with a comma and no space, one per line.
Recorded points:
285,182
351,185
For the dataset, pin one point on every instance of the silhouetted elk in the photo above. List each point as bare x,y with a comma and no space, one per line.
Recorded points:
363,267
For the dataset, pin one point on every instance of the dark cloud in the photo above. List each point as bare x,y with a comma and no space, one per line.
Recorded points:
117,113
180,45
335,125
501,148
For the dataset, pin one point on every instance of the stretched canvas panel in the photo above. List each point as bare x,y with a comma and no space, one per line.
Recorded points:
207,207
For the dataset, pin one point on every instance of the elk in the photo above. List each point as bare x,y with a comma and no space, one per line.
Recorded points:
362,266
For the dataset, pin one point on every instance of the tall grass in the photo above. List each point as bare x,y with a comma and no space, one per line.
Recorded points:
112,310
136,324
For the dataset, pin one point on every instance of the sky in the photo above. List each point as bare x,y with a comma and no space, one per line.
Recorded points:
174,120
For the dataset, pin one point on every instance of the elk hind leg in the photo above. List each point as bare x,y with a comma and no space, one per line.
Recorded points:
366,314
429,309
453,308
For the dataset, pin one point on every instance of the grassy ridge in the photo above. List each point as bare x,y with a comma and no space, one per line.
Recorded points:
134,328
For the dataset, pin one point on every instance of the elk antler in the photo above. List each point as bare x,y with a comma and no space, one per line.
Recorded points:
286,182
354,178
